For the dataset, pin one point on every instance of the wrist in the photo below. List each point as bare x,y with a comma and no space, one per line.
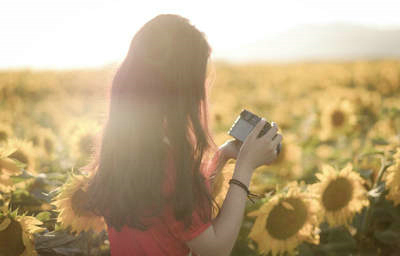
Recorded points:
244,165
243,173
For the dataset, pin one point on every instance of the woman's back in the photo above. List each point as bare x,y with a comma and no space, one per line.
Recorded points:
165,235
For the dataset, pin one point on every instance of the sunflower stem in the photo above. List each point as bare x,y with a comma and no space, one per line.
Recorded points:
382,172
366,218
89,243
358,157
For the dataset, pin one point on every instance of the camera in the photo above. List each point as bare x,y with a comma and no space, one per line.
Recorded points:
245,123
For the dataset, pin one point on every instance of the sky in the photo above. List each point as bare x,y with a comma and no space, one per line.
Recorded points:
57,34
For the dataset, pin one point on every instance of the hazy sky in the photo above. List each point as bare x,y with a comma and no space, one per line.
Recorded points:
79,33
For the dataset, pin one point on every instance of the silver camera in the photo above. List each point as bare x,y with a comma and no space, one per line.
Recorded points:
245,123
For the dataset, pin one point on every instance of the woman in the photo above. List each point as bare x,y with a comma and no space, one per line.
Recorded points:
152,182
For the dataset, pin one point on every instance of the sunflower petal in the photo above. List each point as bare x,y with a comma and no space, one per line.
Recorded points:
4,224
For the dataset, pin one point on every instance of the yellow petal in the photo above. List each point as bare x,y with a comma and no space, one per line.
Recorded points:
5,224
9,165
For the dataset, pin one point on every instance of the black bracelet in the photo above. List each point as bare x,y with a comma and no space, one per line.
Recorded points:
240,184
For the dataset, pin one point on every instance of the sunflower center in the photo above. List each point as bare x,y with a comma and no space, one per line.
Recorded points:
11,240
337,118
337,194
283,221
20,156
78,202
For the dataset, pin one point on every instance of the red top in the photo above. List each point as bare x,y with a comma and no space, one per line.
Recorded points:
166,235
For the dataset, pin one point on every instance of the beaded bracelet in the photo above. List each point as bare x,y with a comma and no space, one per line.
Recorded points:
240,184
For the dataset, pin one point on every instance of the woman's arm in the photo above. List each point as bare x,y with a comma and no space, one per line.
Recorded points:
216,164
220,237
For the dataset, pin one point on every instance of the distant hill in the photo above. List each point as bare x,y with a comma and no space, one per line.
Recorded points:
322,42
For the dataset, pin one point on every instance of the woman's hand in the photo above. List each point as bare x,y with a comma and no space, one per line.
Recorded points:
230,149
259,151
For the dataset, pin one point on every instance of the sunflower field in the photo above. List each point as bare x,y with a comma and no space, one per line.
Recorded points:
334,189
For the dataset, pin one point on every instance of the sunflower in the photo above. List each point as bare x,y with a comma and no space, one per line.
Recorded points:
6,184
8,167
283,116
45,139
70,203
381,127
336,118
368,102
6,116
290,151
82,139
340,194
24,153
285,221
392,143
288,163
52,117
392,179
16,233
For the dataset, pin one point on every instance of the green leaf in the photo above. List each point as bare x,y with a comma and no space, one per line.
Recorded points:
44,216
377,192
379,141
366,174
388,237
305,250
339,235
22,177
358,219
339,247
339,240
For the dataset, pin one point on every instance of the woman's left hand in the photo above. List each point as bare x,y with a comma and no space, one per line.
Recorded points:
231,148
228,150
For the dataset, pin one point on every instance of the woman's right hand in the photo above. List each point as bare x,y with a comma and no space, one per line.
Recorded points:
254,151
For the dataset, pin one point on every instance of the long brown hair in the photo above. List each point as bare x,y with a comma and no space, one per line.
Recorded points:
160,89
